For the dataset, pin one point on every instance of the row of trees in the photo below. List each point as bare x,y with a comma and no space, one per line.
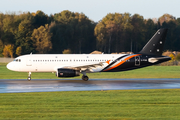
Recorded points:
76,33
123,32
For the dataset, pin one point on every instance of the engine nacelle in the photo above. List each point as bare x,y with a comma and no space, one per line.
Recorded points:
64,72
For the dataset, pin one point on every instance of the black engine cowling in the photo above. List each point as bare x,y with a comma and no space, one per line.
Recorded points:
63,72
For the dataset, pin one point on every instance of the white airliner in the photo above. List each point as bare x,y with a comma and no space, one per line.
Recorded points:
71,65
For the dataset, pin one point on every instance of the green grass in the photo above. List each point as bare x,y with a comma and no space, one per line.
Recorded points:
148,72
88,105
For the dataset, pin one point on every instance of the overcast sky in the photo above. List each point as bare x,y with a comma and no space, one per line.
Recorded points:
95,9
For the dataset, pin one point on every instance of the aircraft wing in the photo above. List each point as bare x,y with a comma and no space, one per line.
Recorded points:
86,67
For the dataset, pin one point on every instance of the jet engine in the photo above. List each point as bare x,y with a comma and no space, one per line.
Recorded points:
64,72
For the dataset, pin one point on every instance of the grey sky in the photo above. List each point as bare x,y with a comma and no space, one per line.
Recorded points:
95,9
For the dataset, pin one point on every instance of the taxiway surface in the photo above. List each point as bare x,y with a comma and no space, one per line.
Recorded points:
45,85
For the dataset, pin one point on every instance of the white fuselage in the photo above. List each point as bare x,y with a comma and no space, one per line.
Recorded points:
51,62
71,65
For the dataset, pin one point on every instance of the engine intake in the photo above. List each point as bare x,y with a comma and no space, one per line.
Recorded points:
63,72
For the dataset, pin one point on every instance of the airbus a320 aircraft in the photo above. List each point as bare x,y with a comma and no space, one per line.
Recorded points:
71,65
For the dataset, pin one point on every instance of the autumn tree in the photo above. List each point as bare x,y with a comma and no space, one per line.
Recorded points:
1,47
83,34
178,57
150,28
23,37
1,34
74,31
42,39
67,51
100,33
113,32
8,29
40,19
165,18
138,33
172,57
18,51
8,50
116,32
173,38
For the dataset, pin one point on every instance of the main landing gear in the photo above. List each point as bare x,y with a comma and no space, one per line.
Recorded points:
84,77
29,76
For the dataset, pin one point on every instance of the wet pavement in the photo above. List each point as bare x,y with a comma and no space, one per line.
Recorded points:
47,85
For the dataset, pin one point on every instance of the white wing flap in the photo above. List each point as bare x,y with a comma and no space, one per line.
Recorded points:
85,67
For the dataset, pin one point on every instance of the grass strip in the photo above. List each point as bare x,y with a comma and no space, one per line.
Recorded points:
147,72
87,105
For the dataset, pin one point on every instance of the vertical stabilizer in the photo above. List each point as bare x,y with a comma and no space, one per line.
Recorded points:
156,44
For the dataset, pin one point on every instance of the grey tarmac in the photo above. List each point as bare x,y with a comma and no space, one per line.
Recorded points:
49,85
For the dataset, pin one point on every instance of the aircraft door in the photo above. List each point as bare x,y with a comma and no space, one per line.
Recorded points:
137,61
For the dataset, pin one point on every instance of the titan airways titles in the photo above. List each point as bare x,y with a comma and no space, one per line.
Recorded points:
71,65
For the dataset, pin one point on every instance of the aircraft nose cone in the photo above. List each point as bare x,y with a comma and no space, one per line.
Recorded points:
10,66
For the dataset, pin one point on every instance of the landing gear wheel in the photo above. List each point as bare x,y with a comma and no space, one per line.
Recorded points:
29,78
85,78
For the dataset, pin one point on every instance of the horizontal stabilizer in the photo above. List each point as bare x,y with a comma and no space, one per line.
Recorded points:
153,60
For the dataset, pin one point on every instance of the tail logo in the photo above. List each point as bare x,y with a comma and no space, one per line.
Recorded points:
108,62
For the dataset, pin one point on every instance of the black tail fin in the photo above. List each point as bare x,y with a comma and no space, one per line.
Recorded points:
155,44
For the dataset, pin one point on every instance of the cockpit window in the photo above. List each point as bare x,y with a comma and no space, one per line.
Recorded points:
17,60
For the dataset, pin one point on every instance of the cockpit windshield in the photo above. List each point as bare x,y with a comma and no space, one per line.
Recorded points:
17,60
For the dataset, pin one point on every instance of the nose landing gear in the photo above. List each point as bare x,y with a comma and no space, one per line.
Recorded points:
29,76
